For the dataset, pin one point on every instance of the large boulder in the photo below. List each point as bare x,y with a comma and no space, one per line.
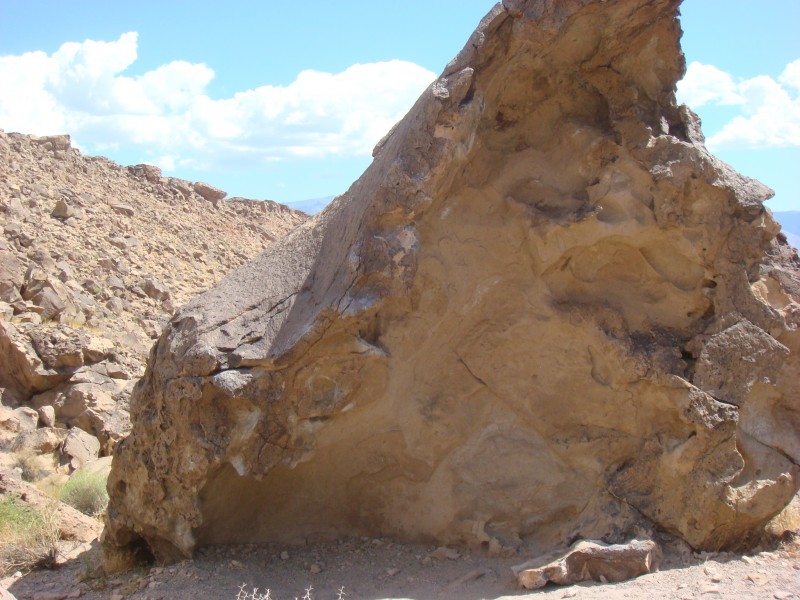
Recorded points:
92,401
55,301
544,313
11,277
209,192
22,370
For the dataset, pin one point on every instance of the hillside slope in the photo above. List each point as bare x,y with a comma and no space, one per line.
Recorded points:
94,258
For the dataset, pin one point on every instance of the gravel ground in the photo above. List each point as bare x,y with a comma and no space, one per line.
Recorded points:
375,569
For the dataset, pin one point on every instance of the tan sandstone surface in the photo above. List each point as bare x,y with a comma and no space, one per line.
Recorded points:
544,313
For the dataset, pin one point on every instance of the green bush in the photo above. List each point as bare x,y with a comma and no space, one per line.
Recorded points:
86,491
28,538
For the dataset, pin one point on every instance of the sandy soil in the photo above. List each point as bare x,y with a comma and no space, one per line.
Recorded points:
379,569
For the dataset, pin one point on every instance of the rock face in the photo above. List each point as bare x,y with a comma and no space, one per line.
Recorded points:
544,313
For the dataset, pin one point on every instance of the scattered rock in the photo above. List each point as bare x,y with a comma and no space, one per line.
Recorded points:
591,560
24,370
445,553
20,420
54,299
47,415
123,209
80,448
155,289
759,579
209,192
63,210
44,440
11,277
150,173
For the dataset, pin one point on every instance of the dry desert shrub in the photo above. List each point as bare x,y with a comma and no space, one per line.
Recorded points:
30,466
28,538
86,491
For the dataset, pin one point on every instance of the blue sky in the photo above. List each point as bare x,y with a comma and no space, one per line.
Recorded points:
266,100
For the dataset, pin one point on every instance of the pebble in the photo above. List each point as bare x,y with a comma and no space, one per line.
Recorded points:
782,595
443,552
284,555
392,572
315,569
758,578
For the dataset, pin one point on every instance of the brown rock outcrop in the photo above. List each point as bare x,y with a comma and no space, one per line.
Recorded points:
544,313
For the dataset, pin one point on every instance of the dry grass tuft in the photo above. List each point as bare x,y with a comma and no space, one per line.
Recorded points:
30,466
28,538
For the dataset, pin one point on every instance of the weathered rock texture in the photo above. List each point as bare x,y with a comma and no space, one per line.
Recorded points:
544,312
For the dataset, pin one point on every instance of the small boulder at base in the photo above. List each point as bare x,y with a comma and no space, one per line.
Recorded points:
591,560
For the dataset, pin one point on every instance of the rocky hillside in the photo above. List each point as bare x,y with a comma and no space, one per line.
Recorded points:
94,258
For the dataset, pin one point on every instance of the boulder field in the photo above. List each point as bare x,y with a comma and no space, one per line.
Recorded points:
544,313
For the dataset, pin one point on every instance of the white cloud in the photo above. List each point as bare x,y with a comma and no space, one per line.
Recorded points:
82,89
705,84
769,109
791,75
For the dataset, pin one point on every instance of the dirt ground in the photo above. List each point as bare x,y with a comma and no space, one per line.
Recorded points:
372,569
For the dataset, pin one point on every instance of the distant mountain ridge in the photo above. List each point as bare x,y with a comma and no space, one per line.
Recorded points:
311,206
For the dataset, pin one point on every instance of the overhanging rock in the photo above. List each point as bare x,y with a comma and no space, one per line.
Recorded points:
544,312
